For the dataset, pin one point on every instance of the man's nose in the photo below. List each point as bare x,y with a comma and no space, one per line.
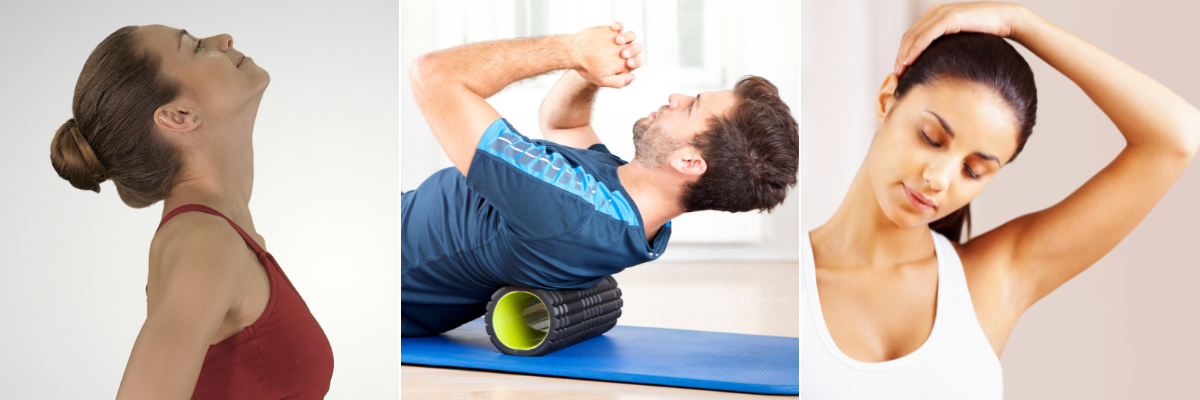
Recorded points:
676,100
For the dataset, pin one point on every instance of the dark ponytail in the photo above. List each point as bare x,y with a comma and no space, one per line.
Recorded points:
951,226
984,59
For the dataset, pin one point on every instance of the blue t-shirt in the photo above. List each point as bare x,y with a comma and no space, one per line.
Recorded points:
530,213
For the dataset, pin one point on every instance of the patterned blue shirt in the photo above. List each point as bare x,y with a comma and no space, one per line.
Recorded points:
530,213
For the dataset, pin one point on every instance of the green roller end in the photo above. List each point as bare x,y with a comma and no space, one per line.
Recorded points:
521,320
533,322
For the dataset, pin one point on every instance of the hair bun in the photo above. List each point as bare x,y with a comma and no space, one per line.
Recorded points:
74,160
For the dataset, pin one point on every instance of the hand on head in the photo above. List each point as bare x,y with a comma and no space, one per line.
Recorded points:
999,19
607,57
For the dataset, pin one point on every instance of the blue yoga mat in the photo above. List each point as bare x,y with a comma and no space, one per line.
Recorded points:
667,357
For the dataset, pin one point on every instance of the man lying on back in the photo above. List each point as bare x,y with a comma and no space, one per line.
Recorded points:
563,212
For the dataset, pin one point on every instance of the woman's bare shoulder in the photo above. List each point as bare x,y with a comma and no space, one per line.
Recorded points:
198,240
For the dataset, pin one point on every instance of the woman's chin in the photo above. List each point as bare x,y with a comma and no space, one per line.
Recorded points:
907,218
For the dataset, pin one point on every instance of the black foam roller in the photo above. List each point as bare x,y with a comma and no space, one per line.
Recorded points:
534,322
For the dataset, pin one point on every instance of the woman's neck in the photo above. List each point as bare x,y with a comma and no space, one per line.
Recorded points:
859,233
223,180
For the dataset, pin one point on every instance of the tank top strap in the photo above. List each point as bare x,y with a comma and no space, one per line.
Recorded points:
208,210
952,280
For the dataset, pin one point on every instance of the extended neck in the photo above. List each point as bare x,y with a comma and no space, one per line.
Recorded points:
219,176
656,195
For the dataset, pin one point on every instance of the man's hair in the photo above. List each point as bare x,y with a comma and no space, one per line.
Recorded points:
753,156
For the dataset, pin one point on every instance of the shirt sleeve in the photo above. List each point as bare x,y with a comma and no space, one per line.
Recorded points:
535,187
600,153
600,147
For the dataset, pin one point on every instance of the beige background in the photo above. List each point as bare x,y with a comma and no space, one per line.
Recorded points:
1125,328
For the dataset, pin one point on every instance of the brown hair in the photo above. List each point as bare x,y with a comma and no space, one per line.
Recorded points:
979,58
753,155
112,134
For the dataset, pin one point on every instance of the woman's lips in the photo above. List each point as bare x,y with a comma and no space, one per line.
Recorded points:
243,59
917,200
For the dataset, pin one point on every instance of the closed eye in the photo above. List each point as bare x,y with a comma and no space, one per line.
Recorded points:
928,140
970,172
198,41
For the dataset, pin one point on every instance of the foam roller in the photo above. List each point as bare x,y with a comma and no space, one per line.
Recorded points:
531,322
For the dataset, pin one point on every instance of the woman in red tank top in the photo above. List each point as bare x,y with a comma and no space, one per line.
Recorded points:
169,116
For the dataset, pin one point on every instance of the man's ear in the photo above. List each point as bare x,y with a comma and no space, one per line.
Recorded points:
886,98
690,163
177,117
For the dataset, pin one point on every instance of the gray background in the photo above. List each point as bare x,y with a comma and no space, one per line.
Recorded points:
73,263
1125,328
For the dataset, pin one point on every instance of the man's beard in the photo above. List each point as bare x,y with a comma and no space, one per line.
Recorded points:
651,147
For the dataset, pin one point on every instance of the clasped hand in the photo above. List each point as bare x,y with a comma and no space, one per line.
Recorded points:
605,56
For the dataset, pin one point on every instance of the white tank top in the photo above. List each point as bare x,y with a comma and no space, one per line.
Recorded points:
955,362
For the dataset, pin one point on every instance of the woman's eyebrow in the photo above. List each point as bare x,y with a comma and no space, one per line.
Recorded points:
987,156
179,41
950,132
945,126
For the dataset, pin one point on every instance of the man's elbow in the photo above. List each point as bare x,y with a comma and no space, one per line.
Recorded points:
544,118
423,71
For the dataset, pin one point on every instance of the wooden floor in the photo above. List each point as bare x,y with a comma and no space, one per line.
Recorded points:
760,298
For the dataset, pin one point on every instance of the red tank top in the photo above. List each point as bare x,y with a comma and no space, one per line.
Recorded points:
283,354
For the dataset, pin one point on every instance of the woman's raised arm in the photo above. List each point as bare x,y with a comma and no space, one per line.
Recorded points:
1038,252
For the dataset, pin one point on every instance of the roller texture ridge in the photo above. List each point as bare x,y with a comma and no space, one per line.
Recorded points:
552,319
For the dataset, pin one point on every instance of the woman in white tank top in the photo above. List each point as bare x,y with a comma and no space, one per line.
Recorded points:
893,303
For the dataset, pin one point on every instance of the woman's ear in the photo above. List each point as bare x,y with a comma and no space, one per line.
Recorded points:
176,117
886,98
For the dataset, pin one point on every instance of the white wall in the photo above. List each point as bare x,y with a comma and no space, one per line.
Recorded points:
73,264
1126,327
759,38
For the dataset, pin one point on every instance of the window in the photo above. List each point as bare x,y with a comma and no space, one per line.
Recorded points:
530,17
691,33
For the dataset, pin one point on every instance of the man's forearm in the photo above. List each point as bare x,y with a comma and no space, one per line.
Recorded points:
451,85
488,67
569,103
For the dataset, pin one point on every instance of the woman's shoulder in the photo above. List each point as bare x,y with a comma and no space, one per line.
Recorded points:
993,250
198,240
